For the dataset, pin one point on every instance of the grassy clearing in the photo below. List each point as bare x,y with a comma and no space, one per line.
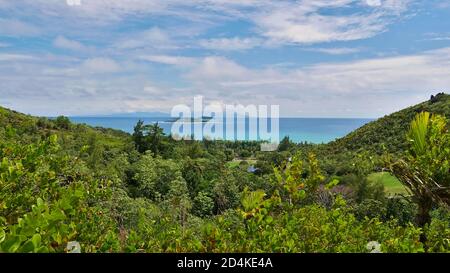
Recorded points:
235,162
391,183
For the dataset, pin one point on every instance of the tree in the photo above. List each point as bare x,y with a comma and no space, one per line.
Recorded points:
178,199
63,122
226,193
424,170
203,205
285,144
153,176
138,136
95,151
193,174
155,136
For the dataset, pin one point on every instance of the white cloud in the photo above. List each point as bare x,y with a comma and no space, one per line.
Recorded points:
151,38
16,28
217,68
335,50
7,57
229,44
369,87
303,25
4,45
100,65
373,3
281,21
63,42
433,36
391,83
76,68
166,59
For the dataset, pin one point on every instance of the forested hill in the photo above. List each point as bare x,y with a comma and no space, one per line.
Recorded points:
27,129
108,191
389,131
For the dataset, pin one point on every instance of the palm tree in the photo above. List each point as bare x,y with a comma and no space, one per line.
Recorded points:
425,170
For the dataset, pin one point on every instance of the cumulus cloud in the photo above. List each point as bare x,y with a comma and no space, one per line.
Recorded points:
367,87
133,39
408,79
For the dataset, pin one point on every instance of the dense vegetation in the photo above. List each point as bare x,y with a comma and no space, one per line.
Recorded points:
109,191
387,133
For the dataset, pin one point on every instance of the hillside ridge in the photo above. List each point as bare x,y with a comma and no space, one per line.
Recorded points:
389,132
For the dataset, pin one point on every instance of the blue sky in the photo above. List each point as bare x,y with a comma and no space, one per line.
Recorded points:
342,58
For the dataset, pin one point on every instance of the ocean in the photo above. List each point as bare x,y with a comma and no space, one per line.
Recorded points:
313,130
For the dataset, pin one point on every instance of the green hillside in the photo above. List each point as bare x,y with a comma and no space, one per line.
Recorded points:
389,131
28,129
113,192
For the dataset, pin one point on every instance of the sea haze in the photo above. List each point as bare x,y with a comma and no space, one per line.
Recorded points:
314,130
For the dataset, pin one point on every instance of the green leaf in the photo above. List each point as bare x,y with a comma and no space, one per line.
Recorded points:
40,202
12,243
53,139
332,184
36,240
27,247
2,235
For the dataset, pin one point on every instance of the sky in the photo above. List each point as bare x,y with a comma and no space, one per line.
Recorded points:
341,58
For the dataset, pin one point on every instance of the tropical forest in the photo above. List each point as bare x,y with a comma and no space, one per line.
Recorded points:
384,187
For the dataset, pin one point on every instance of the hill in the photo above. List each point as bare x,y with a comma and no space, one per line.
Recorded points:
91,187
26,129
389,131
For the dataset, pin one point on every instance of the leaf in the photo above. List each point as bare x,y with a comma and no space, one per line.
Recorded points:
27,247
332,184
2,235
12,243
418,132
36,240
53,139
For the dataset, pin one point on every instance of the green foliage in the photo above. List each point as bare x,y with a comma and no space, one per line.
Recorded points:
418,132
294,179
387,133
203,205
425,167
46,202
62,122
153,176
149,137
112,192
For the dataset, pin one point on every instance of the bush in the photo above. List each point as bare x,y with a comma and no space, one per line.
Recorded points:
62,122
203,205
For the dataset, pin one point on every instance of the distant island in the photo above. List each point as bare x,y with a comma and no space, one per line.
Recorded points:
202,119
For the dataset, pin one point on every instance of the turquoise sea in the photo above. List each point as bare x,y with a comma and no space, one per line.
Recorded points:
315,130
